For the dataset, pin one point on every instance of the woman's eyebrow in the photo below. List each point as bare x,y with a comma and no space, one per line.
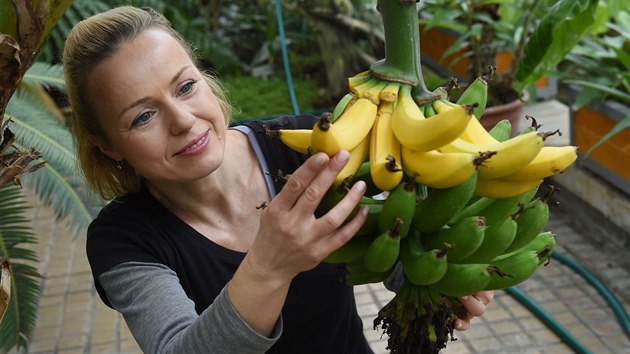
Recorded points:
145,99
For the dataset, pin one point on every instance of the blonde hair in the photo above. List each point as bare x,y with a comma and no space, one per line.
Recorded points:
90,42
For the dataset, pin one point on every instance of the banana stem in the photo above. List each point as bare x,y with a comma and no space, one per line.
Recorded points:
402,47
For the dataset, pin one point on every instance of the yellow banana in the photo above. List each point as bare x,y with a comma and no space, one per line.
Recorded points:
297,139
347,131
503,188
416,132
385,155
474,133
507,157
439,170
358,155
549,161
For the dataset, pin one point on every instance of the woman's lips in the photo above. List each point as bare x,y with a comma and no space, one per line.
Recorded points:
196,146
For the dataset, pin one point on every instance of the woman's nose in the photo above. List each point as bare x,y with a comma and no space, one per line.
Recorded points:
182,120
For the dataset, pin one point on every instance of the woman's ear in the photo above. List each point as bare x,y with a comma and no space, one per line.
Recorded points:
104,147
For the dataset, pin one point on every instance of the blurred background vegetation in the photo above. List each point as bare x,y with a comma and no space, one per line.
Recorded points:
239,40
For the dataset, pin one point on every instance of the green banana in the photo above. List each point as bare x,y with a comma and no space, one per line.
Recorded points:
419,266
365,278
341,106
411,246
463,279
441,204
399,208
357,274
513,270
496,239
364,174
427,268
356,266
428,111
382,253
501,208
476,205
335,194
501,131
544,243
476,94
370,225
464,238
351,250
531,221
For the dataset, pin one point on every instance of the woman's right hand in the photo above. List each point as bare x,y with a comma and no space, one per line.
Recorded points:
291,239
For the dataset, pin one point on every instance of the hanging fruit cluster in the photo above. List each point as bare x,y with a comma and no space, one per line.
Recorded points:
454,204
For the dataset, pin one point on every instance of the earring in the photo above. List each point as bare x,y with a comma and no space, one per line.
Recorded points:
118,164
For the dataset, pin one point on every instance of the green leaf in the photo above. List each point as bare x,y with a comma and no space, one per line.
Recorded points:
16,232
558,32
59,183
620,95
46,75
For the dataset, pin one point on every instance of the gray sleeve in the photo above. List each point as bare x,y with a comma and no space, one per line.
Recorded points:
163,319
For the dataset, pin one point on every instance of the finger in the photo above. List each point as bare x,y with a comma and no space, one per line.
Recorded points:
461,325
485,296
312,195
473,305
300,179
345,233
338,215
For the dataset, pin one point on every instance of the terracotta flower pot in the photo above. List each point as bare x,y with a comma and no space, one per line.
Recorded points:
510,111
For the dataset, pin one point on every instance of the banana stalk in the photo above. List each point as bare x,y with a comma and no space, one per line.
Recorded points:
402,47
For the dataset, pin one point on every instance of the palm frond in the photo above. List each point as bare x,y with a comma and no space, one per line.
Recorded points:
59,183
15,232
34,127
44,74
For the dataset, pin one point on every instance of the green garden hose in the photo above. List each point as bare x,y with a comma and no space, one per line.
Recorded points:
609,297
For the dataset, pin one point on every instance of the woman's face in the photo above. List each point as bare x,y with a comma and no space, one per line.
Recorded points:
157,112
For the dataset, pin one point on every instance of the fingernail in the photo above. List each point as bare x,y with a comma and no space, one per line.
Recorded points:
464,298
320,159
360,186
364,210
342,156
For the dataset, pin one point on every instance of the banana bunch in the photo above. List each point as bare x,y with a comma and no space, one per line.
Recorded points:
455,205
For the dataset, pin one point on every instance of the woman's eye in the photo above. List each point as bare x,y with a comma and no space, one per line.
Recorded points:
141,119
187,87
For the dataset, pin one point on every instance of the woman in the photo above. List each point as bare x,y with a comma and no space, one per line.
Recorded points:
203,249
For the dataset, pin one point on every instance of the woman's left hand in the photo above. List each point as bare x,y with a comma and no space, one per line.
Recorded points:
475,306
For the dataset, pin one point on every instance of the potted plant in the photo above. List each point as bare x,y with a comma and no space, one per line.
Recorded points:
523,40
598,74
